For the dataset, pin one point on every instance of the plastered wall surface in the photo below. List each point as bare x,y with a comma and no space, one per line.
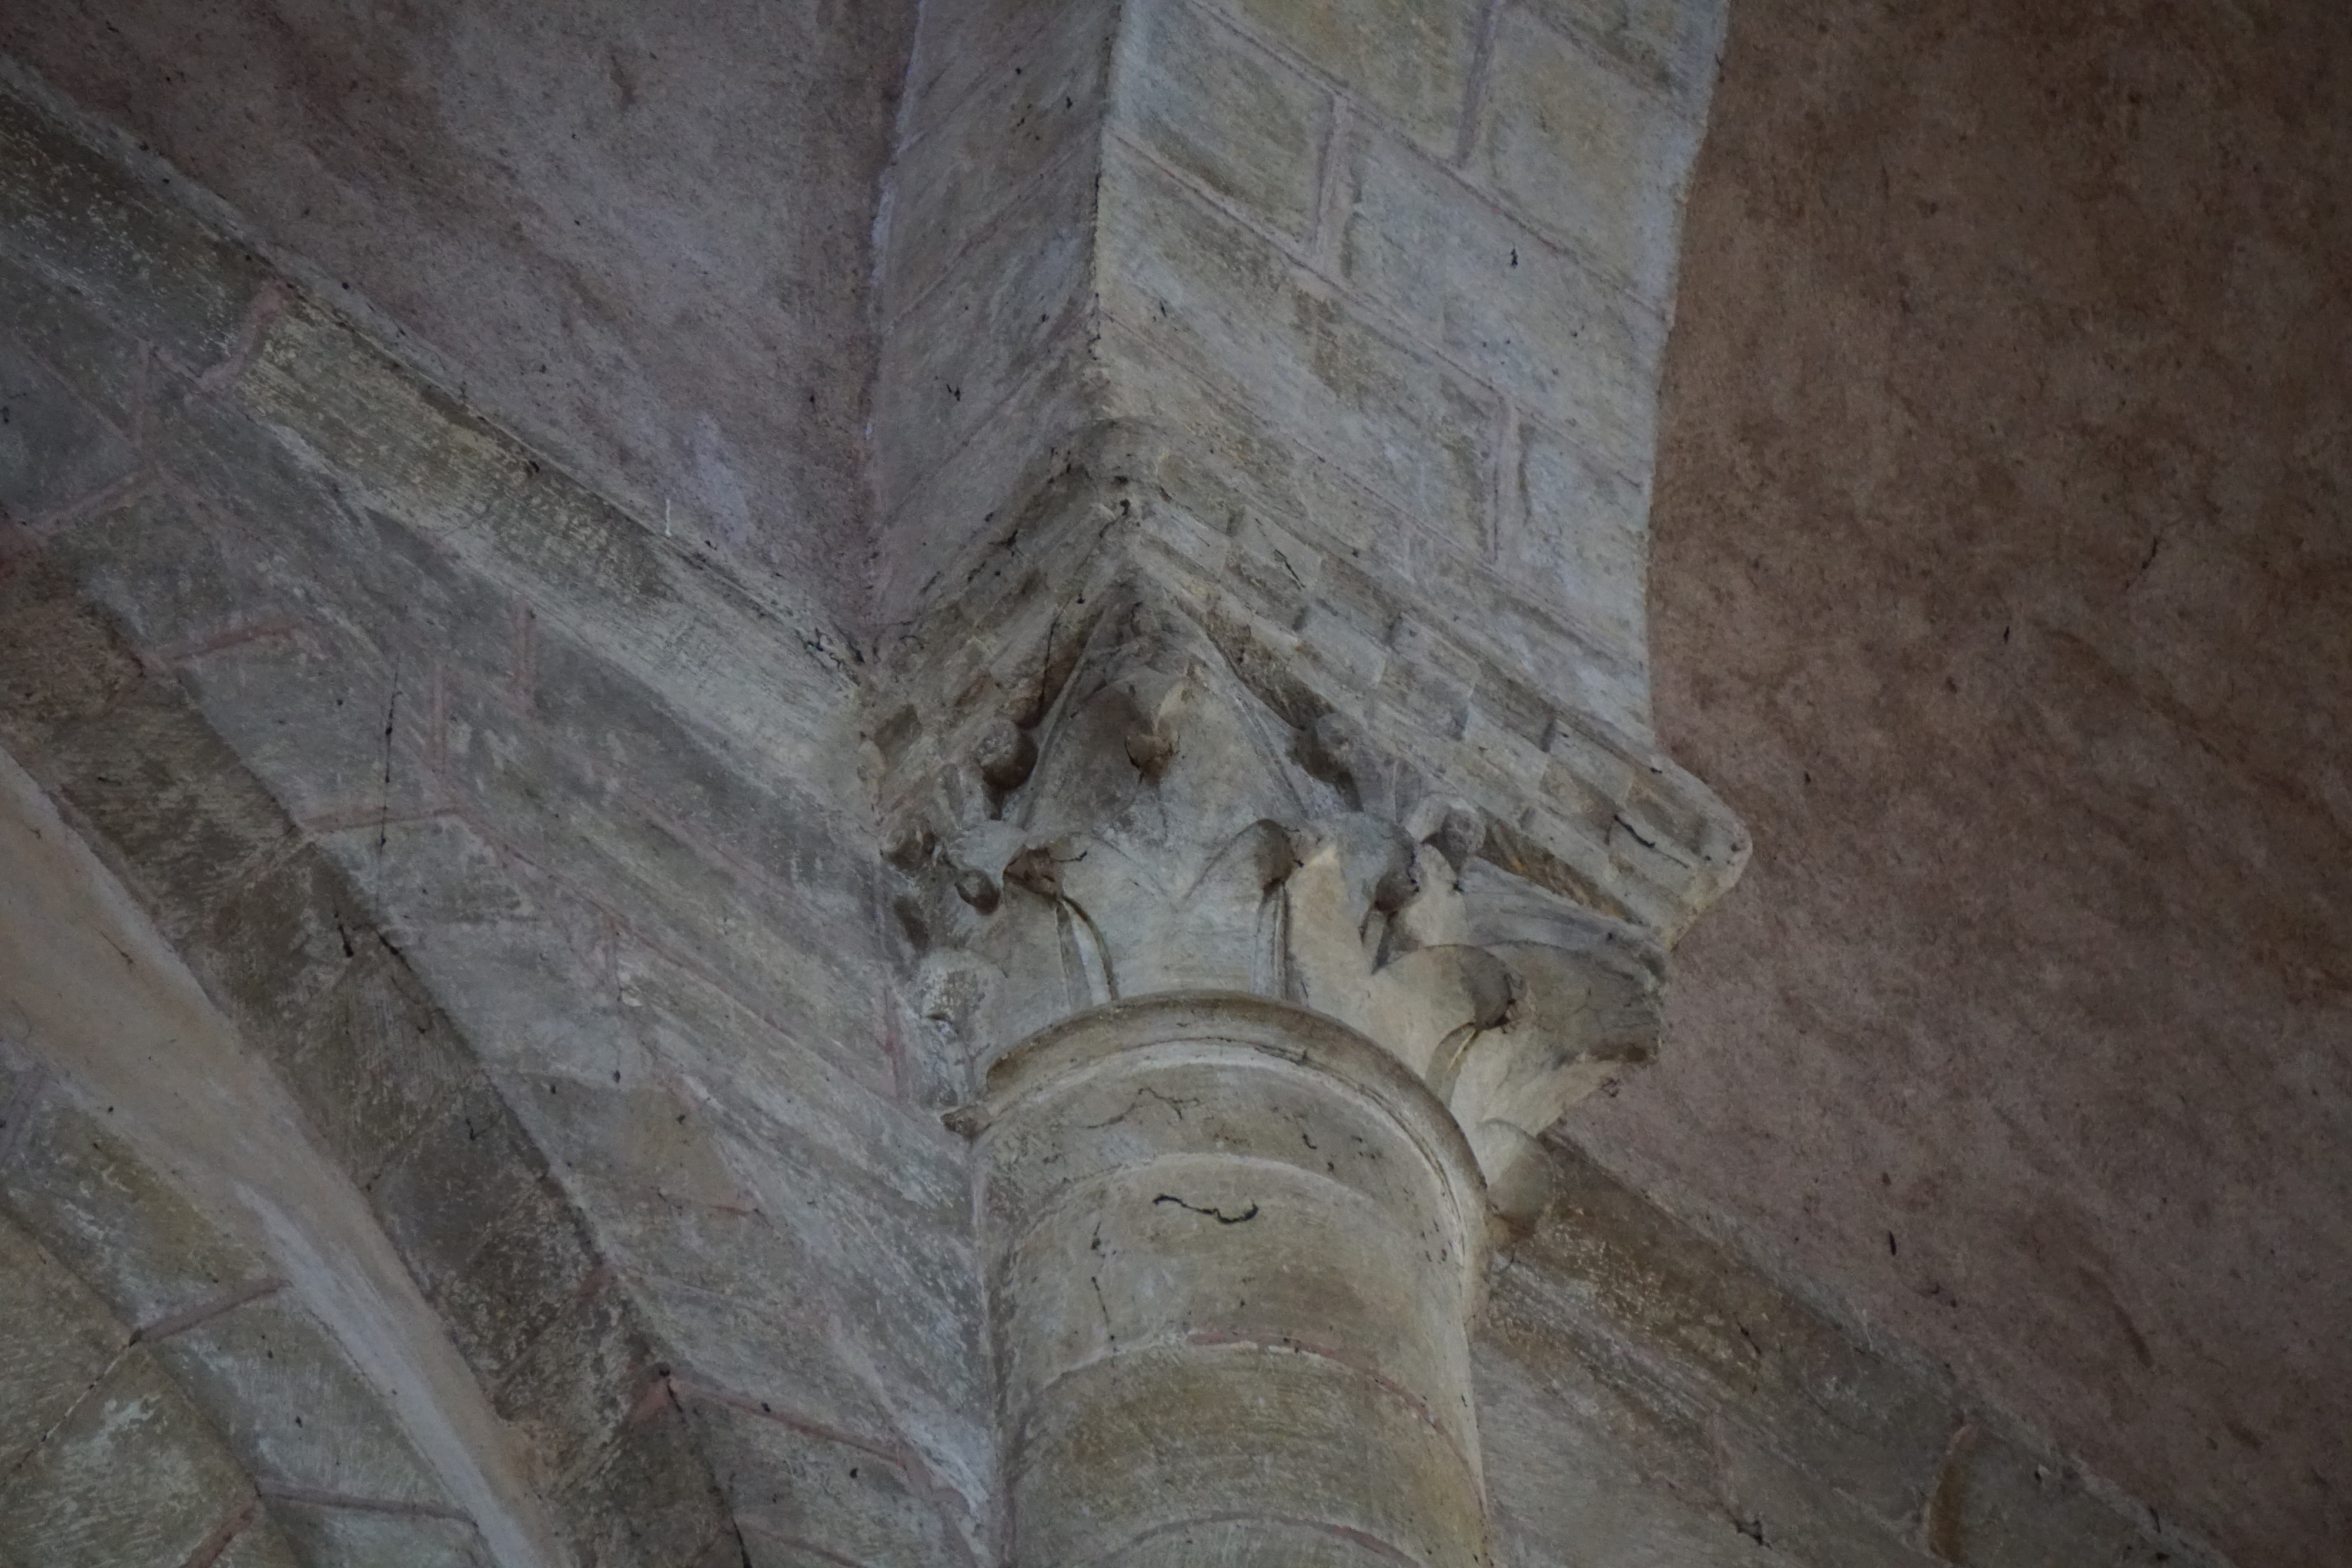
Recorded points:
640,235
2003,583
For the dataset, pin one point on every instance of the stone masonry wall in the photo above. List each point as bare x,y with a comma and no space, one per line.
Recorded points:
387,719
639,234
533,852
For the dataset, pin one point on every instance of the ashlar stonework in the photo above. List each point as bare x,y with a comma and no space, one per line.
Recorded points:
1049,1066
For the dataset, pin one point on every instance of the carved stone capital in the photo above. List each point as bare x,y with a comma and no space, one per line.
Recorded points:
1158,828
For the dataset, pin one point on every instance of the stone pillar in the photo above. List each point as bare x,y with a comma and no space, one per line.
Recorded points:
1232,1248
1262,436
1261,1073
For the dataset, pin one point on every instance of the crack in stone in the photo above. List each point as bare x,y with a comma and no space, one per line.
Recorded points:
1220,1215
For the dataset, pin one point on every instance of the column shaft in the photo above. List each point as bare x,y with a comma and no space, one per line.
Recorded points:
1232,1248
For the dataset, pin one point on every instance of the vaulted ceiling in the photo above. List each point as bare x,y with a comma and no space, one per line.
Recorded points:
2001,581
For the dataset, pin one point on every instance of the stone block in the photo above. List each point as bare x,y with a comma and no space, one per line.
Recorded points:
114,1219
790,1484
371,1538
62,662
270,950
69,212
1559,1470
64,1504
774,1088
1202,295
158,568
1409,60
1670,45
636,1135
260,1544
625,731
996,316
958,49
980,522
646,1500
787,954
372,1062
57,452
533,1259
1424,699
282,523
719,646
1584,153
1518,621
1680,1327
1582,542
1212,104
424,873
569,1393
532,999
56,1342
766,1341
975,164
455,1179
169,805
2006,1507
923,1351
291,1407
308,712
888,1291
1784,1504
1225,462
105,366
410,600
1535,322
1503,693
765,1552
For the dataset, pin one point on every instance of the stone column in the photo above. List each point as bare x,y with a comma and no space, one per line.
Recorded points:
1261,1075
1232,1250
1262,436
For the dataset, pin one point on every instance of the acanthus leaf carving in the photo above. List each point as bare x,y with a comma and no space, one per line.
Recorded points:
1159,828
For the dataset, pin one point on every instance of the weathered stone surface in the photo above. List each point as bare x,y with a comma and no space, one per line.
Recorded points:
104,366
59,661
981,161
260,1544
1739,1421
657,268
209,1163
1242,123
113,1220
1533,319
65,1504
648,1500
1211,299
809,1490
72,213
1394,481
1022,290
374,1538
55,454
288,1403
783,952
1585,153
56,1348
189,837
573,1389
1409,60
